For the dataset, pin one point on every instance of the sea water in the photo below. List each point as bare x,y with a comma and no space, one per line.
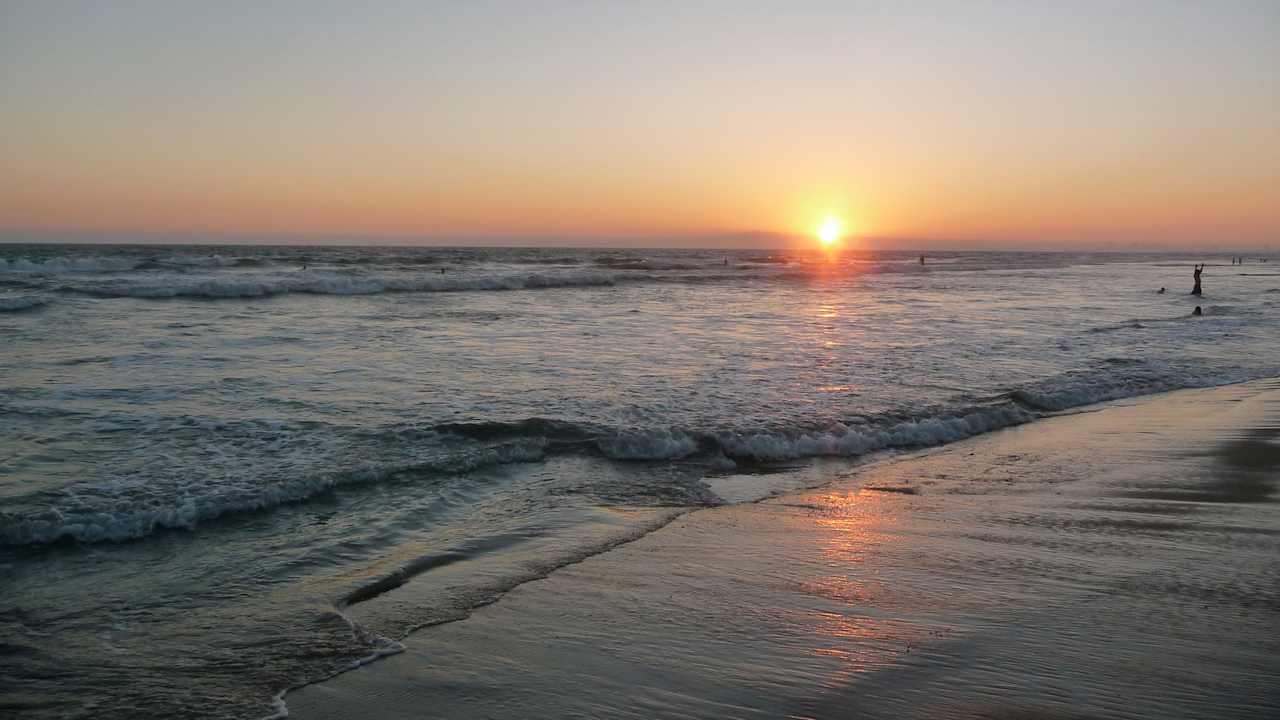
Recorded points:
227,471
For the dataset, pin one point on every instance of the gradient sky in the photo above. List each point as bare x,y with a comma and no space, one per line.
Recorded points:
1022,124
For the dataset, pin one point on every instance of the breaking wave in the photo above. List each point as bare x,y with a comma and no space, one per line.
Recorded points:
155,498
1112,379
834,440
129,508
315,284
133,507
852,441
88,264
116,264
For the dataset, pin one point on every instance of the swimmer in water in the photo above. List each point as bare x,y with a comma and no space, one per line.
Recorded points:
1197,311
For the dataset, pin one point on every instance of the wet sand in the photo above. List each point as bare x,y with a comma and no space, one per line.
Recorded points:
1118,563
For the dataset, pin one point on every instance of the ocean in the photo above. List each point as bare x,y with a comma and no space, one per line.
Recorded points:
229,471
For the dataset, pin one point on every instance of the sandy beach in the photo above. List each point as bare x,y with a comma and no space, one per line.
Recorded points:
1118,562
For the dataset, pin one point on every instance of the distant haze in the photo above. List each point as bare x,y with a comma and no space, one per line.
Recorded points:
1128,125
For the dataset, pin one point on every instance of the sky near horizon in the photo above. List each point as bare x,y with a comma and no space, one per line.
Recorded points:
994,124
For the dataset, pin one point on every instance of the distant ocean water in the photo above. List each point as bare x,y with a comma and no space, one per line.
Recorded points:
216,462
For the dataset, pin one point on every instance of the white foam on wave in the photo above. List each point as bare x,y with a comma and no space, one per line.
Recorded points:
127,507
89,264
659,445
852,441
838,440
134,506
316,284
200,261
1119,378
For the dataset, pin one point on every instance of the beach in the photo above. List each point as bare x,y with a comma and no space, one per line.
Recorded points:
230,471
814,360
1118,562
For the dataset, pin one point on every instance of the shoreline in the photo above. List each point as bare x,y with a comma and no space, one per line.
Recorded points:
1173,414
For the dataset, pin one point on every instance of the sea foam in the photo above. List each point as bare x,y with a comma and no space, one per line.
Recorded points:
128,507
90,264
334,284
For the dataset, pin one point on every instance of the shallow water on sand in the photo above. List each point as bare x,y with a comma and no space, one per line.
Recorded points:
1047,572
211,459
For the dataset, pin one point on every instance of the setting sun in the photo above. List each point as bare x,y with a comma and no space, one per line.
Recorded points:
830,231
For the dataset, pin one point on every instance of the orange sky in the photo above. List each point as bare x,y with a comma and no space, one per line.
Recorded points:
950,124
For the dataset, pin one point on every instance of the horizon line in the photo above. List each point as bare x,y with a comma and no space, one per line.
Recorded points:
716,241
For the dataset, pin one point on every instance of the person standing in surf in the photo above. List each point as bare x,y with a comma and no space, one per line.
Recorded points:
1198,269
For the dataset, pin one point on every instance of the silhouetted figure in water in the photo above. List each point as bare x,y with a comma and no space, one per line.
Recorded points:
1197,311
1160,291
1199,269
921,259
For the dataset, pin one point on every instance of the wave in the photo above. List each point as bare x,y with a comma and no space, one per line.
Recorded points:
1230,310
130,509
853,441
89,264
1138,377
133,507
153,282
414,260
834,440
22,302
1114,378
1139,323
566,260
313,284
539,427
113,512
112,264
768,260
1142,323
206,261
643,264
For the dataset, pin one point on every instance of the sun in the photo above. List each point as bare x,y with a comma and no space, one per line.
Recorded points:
830,231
